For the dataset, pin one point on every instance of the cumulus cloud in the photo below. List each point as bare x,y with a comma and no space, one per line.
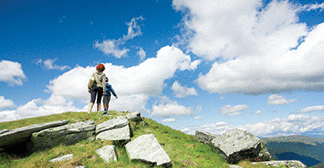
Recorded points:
112,46
311,109
182,91
169,120
292,125
146,79
49,64
5,103
276,99
168,108
260,48
39,107
229,110
11,73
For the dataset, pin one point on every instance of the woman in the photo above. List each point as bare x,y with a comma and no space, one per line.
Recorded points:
96,86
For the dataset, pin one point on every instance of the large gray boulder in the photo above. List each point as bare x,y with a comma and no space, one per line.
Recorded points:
285,163
146,148
67,134
204,137
20,135
107,153
115,134
135,116
236,145
111,124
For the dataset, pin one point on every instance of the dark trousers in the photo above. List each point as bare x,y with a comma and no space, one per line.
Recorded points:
96,91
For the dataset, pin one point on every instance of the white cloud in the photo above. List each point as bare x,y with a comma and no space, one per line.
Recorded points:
276,99
312,109
182,91
133,28
146,79
49,64
294,124
11,72
228,110
169,120
310,7
260,48
258,112
5,103
168,108
132,103
217,128
198,117
39,107
141,53
112,46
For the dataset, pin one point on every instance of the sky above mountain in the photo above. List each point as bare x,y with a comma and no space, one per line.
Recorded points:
192,65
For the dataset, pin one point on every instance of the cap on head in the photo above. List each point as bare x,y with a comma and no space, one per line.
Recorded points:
100,67
106,79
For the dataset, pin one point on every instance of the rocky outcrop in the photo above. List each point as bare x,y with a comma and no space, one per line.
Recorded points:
107,153
111,124
62,158
3,131
115,134
115,129
67,134
135,116
239,145
204,137
285,163
146,148
20,135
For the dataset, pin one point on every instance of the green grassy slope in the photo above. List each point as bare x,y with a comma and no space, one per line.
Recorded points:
183,149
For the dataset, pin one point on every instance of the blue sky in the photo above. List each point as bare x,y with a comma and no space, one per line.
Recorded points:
188,64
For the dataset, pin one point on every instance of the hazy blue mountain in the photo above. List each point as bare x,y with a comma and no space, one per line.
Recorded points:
309,150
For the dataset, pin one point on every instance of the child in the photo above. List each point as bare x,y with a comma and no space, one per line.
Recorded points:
107,96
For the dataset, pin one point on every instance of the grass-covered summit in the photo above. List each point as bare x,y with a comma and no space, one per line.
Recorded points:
183,149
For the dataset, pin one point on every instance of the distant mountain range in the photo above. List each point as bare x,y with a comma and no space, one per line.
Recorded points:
309,150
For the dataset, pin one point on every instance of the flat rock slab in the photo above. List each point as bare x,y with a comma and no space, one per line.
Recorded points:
204,137
111,124
62,158
236,145
115,134
19,135
235,166
107,153
67,134
286,163
147,148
